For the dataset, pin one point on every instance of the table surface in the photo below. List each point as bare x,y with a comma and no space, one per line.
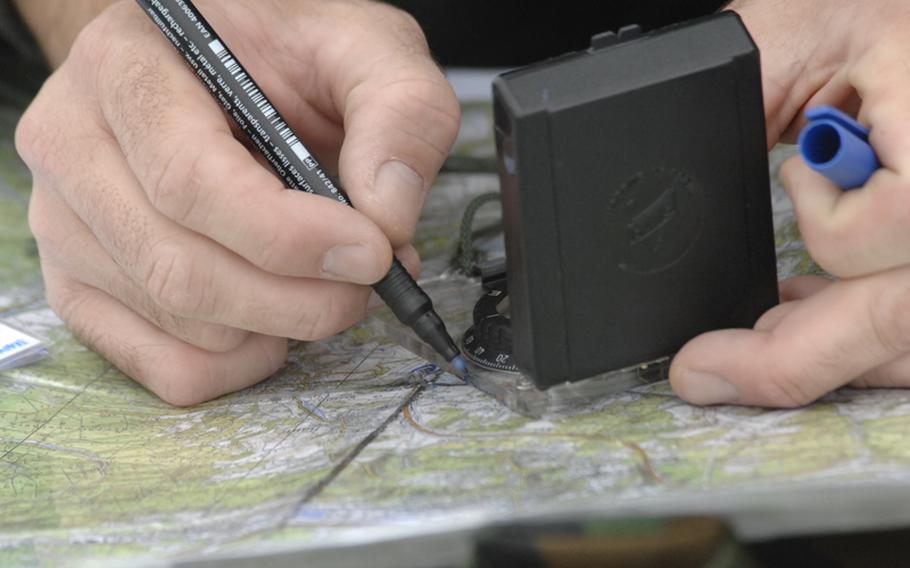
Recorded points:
357,443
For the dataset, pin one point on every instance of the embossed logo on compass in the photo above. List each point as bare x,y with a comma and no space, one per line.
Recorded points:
661,211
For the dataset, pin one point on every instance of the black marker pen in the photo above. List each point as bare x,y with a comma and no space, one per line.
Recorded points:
242,98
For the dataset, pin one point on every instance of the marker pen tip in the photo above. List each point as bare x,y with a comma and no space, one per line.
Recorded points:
459,363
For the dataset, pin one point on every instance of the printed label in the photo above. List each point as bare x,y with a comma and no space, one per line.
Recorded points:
18,349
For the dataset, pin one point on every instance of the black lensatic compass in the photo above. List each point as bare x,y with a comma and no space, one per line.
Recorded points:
488,343
610,196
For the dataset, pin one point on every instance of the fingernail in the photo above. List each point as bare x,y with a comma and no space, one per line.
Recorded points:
353,263
400,189
704,388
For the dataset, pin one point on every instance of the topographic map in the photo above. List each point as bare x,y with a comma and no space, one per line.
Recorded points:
358,442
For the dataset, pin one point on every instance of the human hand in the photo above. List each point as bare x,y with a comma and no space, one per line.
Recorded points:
168,247
855,330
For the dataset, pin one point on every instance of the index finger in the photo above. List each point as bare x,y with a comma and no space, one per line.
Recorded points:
863,231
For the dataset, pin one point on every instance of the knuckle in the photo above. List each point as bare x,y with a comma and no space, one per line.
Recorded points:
429,111
403,26
139,95
102,52
28,136
36,140
440,101
94,39
134,90
450,108
423,115
173,281
180,376
191,381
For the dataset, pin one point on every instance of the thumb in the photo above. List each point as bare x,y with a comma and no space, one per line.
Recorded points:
842,332
401,118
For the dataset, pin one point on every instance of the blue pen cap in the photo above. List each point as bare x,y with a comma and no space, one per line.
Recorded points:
837,146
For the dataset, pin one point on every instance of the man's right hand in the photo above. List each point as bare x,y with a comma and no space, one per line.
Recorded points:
169,247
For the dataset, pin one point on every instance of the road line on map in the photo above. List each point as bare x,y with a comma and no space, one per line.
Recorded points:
54,415
315,490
